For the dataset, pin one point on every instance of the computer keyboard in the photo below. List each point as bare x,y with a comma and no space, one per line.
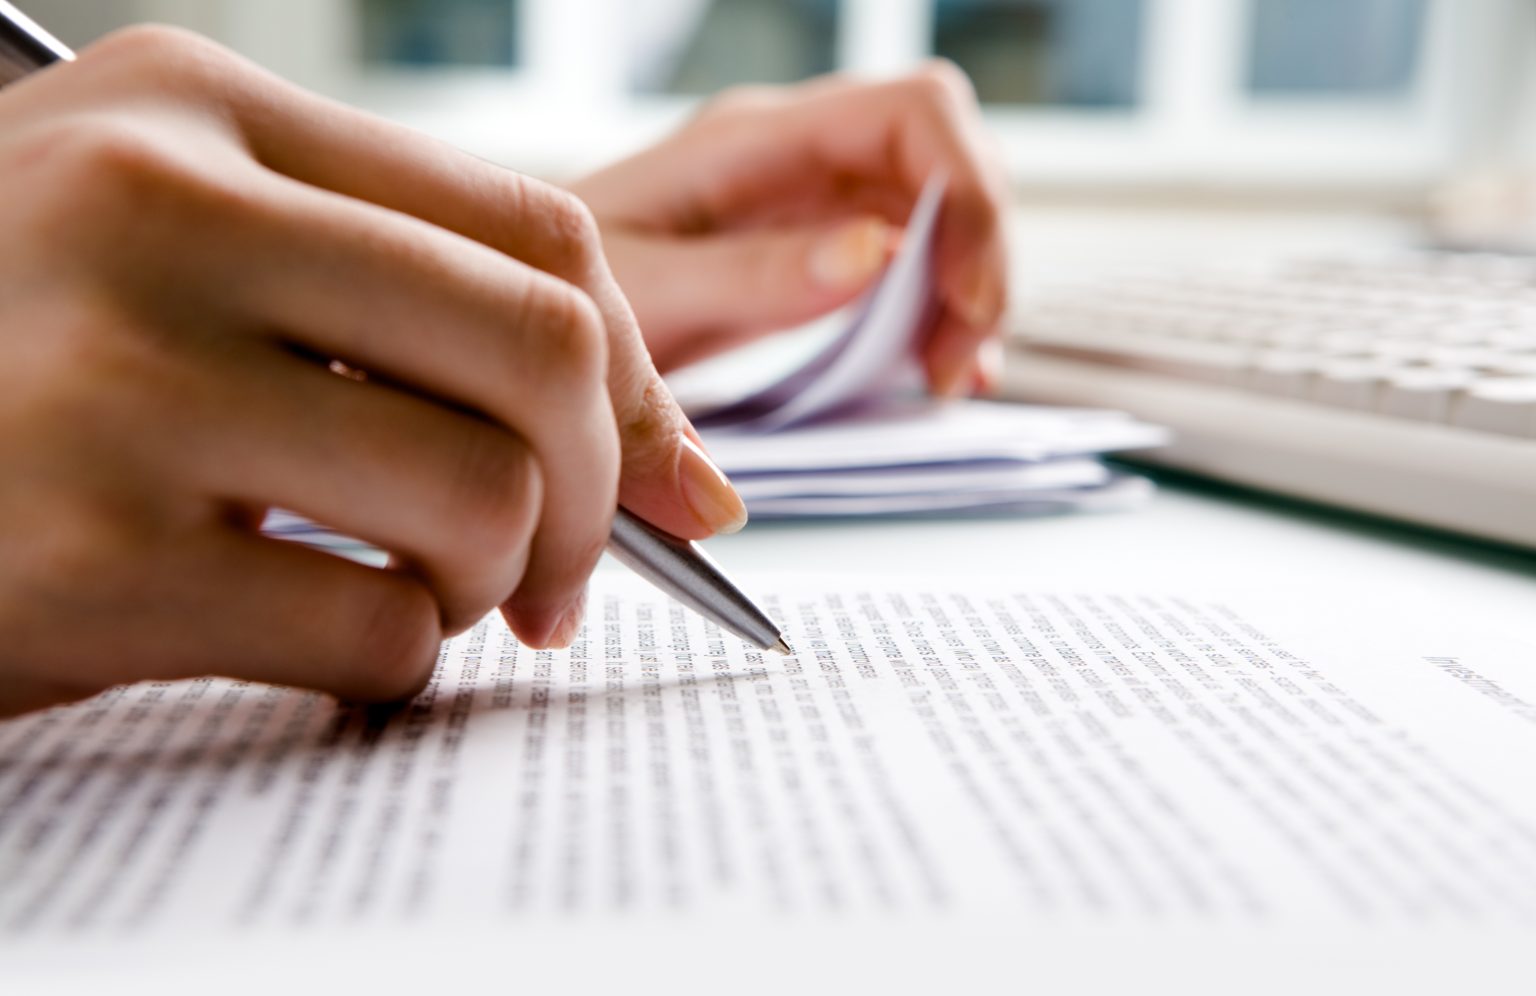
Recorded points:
1404,386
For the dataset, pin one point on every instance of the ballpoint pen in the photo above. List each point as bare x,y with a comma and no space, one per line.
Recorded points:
678,567
24,46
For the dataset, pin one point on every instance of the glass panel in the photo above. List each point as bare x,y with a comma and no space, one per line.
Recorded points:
440,32
1071,53
699,46
1334,47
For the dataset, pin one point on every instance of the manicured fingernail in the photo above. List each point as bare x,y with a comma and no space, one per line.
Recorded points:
708,491
851,254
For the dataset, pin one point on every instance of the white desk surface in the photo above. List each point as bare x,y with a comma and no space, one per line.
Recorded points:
1192,536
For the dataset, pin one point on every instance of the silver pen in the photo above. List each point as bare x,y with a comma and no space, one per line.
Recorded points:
678,567
24,46
684,571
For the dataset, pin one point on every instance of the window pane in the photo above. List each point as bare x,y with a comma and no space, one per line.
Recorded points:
1334,47
699,46
440,32
1073,53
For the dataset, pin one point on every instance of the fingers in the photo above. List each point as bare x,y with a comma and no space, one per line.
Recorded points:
836,145
434,272
954,345
315,141
925,124
217,600
663,477
456,321
455,498
262,610
741,284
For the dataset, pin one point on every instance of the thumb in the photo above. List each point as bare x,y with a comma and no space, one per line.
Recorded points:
761,280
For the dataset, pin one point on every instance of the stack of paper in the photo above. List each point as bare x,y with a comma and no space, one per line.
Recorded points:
850,433
921,458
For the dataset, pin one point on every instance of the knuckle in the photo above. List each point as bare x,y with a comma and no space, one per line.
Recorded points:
143,41
113,150
572,347
944,83
120,168
573,230
132,182
166,55
650,428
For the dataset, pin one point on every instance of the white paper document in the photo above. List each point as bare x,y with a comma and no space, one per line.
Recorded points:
1026,759
920,458
875,356
823,438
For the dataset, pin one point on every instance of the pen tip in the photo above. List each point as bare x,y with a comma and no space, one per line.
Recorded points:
783,647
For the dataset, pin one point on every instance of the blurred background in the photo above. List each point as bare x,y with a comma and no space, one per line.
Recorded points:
1406,106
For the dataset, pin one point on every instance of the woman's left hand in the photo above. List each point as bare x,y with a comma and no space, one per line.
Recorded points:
775,205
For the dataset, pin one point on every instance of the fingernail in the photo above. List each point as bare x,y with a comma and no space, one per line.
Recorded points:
852,254
989,364
980,304
569,626
708,491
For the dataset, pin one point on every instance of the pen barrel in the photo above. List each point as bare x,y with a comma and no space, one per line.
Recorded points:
685,572
24,46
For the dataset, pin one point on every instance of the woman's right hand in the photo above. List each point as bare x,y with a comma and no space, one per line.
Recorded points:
188,243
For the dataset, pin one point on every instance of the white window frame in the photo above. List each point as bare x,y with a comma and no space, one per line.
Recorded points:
566,107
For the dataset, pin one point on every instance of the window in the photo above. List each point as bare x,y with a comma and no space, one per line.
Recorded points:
688,47
1334,92
438,32
1072,53
1327,48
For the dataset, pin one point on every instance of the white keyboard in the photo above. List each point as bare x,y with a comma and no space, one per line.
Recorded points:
1404,387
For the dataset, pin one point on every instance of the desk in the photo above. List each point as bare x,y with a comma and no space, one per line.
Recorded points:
1193,533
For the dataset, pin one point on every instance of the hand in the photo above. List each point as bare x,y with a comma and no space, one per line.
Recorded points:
775,205
189,243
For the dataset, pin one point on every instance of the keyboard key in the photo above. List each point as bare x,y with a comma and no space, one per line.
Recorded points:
1346,343
1423,394
1350,383
1515,365
1402,351
1286,373
1426,337
1503,405
1466,357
